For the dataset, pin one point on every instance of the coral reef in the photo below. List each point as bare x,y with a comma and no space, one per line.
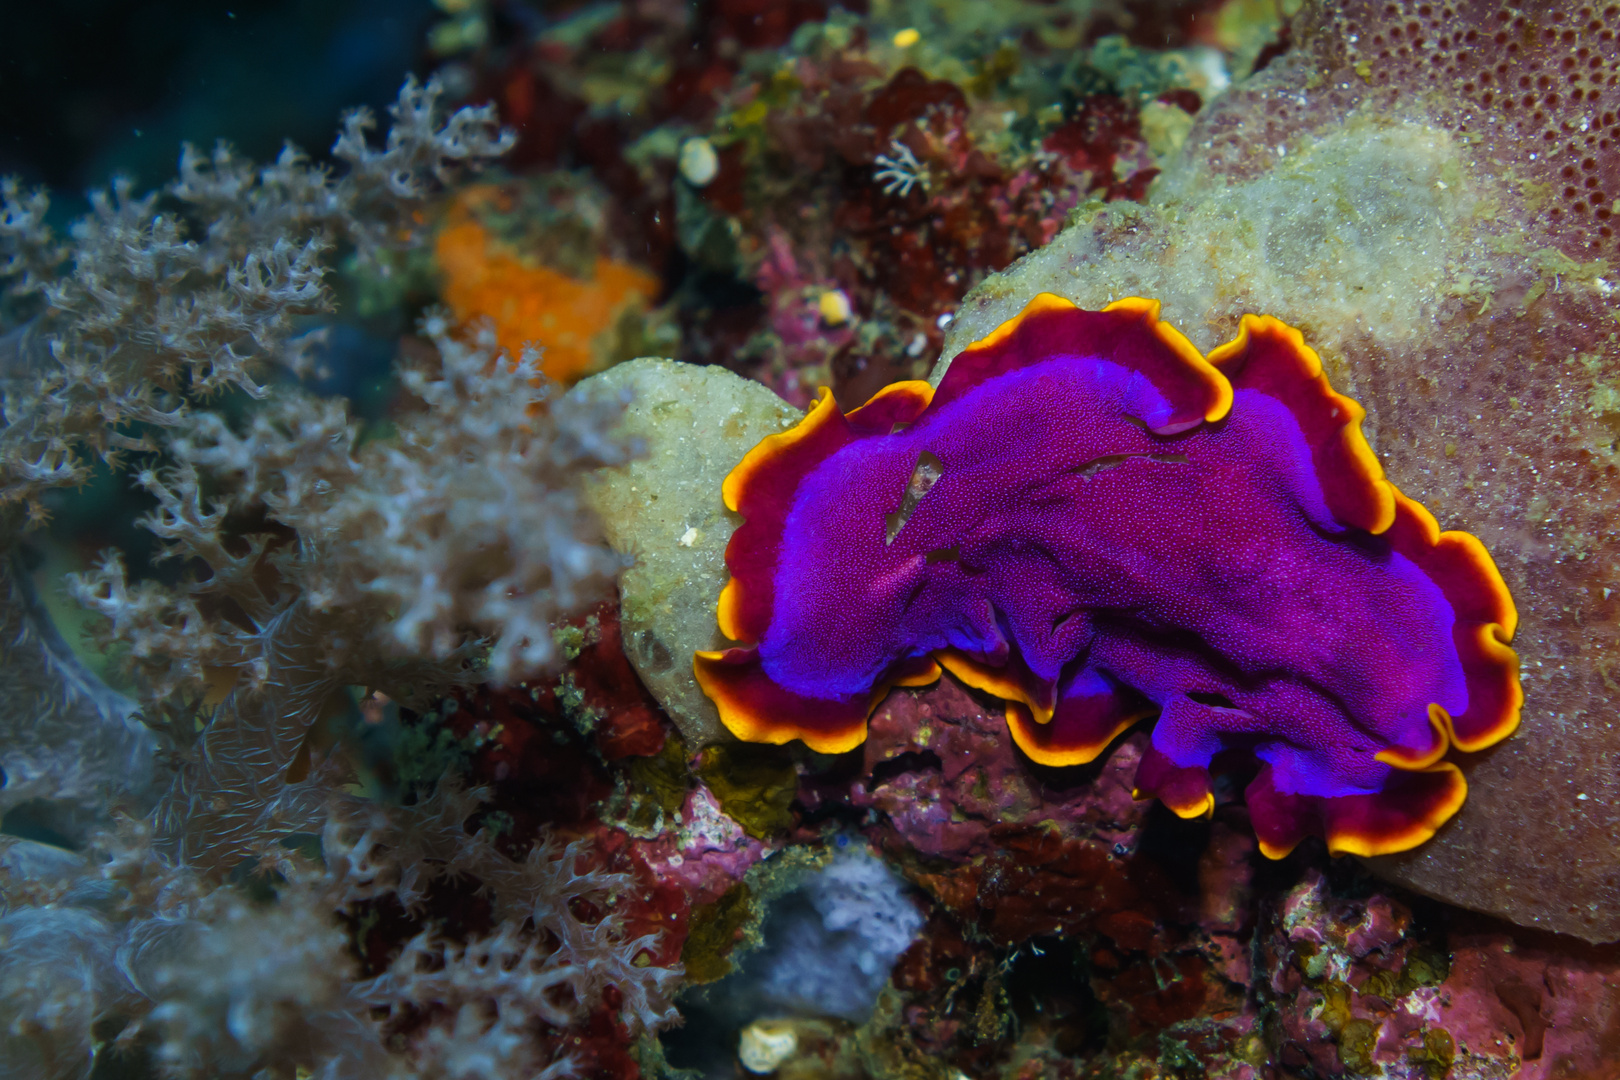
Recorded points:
151,314
225,933
1100,931
362,769
746,149
894,181
198,979
466,520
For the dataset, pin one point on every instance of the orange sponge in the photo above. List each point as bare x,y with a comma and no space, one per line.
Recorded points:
533,304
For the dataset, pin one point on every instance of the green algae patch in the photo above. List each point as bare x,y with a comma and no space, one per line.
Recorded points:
1357,231
1425,967
664,777
1177,1059
1357,1038
1437,1054
716,930
424,751
754,784
574,639
650,792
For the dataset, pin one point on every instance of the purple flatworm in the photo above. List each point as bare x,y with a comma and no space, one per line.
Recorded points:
1094,522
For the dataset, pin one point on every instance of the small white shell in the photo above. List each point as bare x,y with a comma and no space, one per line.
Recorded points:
765,1044
699,164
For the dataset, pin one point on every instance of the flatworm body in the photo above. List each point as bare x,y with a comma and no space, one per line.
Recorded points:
1097,524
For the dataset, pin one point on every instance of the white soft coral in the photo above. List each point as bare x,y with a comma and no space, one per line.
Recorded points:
544,961
466,528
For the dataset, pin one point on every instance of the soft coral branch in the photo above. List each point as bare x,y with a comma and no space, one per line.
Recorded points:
153,315
467,530
309,561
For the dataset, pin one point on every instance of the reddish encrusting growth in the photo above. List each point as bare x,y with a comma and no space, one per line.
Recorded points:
1096,139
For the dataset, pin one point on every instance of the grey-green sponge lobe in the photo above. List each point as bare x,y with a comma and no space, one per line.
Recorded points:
664,511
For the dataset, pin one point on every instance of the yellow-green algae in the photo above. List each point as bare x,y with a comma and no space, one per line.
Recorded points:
754,784
715,931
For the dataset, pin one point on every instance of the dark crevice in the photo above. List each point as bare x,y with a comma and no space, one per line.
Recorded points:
910,762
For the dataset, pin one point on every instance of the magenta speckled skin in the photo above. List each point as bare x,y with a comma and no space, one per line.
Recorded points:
1094,522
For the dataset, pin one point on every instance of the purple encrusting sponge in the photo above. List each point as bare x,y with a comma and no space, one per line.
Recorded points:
1094,522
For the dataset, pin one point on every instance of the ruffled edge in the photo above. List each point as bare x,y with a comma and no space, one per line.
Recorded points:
1267,355
1127,331
755,709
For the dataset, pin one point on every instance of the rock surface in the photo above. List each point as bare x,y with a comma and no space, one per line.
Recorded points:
1412,227
664,511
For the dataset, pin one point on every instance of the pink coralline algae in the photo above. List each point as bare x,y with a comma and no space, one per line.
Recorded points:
1038,873
1190,948
1093,522
941,771
705,854
1356,989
